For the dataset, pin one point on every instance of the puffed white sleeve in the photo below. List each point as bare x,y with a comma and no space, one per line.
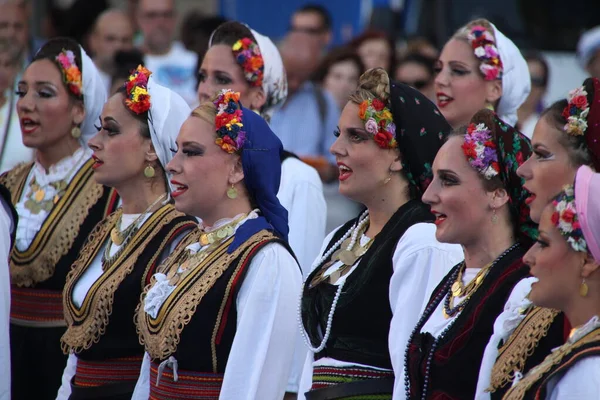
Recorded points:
504,326
420,263
69,372
581,381
142,387
259,363
6,227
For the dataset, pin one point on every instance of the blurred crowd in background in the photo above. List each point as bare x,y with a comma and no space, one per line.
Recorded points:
321,72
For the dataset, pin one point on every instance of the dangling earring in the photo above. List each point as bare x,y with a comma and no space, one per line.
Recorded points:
149,172
490,106
388,179
76,132
494,216
583,289
232,192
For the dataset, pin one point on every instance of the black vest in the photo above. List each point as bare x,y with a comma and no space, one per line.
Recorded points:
361,323
454,368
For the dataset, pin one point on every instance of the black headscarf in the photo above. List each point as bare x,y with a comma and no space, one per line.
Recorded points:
420,132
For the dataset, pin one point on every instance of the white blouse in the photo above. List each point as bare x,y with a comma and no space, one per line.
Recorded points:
7,226
30,223
261,354
420,262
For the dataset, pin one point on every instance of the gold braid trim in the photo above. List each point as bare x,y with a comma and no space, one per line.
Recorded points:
521,344
161,336
60,229
87,324
518,391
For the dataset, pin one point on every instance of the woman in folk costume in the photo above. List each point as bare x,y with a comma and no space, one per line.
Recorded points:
368,288
480,68
137,129
566,262
218,317
565,137
247,62
479,203
255,70
58,202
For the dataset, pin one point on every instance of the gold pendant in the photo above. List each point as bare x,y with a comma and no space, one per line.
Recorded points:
456,289
39,195
116,237
347,257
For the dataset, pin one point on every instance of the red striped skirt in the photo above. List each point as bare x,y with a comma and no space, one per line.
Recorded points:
189,385
100,373
36,307
325,376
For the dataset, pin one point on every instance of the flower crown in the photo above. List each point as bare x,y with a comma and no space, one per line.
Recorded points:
484,47
228,122
70,72
566,220
379,122
138,98
248,56
576,112
480,150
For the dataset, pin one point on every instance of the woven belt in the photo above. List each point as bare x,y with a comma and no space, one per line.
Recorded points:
37,308
183,384
100,373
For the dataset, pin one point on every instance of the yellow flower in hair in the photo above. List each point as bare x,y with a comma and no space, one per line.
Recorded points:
386,114
237,45
137,92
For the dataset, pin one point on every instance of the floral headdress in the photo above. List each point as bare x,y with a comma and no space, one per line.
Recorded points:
228,122
566,220
484,46
138,98
70,72
248,56
576,112
379,122
480,150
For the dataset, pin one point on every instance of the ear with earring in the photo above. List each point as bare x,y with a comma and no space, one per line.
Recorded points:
232,192
76,132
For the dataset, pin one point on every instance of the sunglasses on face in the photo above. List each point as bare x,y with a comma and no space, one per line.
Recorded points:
418,84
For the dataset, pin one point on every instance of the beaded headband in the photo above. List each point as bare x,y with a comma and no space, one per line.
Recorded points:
247,54
576,112
70,72
379,123
480,150
228,122
136,87
484,46
566,220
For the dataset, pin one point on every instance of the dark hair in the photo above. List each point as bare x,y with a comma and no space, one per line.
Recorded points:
535,56
53,48
141,118
196,29
375,35
317,9
335,56
575,145
124,62
426,62
230,32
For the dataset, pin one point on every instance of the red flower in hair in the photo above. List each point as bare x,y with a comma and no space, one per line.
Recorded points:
555,218
568,215
378,104
381,139
580,102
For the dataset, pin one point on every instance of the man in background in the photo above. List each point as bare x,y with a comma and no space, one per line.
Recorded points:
588,51
314,22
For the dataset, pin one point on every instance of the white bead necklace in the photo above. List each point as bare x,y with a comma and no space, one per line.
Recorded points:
354,231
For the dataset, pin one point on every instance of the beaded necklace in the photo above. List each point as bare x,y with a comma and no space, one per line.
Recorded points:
353,233
425,317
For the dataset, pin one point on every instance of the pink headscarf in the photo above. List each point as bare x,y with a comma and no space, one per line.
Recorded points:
587,188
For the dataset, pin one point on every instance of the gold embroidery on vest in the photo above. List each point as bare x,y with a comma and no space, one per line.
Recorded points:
93,315
161,336
60,229
513,355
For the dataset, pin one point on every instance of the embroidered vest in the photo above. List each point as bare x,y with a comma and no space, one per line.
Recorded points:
360,328
102,327
454,368
56,246
197,322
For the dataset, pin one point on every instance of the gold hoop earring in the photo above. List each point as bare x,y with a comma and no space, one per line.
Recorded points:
232,192
583,289
149,172
76,132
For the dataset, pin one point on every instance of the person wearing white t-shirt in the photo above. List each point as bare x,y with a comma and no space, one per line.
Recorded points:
173,65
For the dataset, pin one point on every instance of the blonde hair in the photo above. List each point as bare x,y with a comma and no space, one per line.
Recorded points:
373,84
463,33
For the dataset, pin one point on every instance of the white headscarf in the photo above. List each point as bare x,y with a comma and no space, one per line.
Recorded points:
168,111
94,97
274,79
516,81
